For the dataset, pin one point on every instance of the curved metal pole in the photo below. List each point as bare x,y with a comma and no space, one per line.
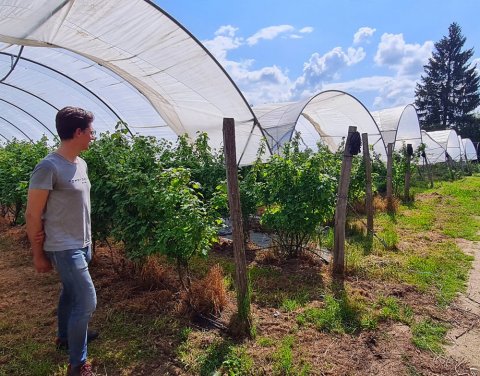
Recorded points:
30,93
341,92
79,84
4,137
29,114
13,65
18,129
256,123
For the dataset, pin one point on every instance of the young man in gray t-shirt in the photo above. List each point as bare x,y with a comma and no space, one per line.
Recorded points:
58,226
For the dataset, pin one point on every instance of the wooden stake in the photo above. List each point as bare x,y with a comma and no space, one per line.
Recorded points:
389,176
241,276
429,171
341,209
368,184
408,174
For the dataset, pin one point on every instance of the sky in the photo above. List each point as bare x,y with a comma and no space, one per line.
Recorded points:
287,50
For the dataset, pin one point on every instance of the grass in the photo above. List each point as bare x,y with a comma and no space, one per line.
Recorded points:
390,308
419,251
443,270
429,335
220,357
31,358
339,315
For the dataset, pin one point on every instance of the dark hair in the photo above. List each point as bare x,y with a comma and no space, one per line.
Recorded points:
68,119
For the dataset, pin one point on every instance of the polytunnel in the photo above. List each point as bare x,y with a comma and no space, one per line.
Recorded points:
434,151
470,152
449,141
399,125
124,60
325,116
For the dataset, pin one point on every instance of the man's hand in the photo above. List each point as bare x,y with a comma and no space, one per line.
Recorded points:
42,263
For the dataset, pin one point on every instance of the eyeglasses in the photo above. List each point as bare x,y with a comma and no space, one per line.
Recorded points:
93,132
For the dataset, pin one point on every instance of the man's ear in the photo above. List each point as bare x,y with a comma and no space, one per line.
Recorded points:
77,132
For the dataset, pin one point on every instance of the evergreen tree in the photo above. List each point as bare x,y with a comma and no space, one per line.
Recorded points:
448,93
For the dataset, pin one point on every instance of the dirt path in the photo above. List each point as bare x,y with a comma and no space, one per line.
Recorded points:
466,338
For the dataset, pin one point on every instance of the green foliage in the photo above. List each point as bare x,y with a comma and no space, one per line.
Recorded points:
207,166
429,335
150,208
17,161
298,191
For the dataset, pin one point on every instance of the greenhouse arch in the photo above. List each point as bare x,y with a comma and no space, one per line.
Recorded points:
328,114
399,125
123,60
449,141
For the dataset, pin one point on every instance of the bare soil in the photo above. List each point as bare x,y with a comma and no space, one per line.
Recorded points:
28,300
465,339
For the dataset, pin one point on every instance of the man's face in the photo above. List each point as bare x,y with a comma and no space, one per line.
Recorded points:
87,136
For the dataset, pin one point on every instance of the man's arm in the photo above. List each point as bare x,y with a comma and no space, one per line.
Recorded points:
36,202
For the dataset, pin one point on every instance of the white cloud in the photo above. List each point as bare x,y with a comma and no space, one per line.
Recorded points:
227,30
397,92
360,85
320,69
306,29
267,84
224,41
404,58
269,32
363,35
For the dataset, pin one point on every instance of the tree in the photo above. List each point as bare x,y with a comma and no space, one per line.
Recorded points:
448,93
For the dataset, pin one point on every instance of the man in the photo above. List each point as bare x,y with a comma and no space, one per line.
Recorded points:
58,226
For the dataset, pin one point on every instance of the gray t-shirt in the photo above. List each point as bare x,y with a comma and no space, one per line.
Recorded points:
67,213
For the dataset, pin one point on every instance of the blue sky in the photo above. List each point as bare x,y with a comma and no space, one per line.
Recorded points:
279,51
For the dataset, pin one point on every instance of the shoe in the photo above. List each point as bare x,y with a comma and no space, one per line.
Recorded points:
62,344
84,370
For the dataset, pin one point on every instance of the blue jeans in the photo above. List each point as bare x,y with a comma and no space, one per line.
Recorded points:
77,300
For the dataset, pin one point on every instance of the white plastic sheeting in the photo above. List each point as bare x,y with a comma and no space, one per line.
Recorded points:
434,151
470,152
449,141
399,125
124,59
329,114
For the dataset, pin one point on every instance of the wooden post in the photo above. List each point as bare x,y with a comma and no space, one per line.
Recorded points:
450,165
429,170
368,185
408,174
389,176
341,209
241,276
